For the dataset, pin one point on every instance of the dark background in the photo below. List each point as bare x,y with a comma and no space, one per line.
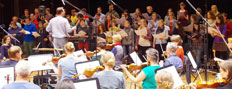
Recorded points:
9,8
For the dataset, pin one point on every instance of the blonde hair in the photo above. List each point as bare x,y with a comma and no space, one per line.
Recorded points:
214,6
69,47
108,59
164,80
176,38
117,38
12,51
227,66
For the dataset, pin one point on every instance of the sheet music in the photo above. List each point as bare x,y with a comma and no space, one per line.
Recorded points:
36,62
175,76
123,33
192,60
141,32
81,33
135,58
6,73
90,84
35,34
120,21
108,33
145,16
80,55
80,67
160,35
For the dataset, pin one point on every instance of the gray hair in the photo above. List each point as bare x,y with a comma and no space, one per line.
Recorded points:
65,84
172,46
153,53
23,69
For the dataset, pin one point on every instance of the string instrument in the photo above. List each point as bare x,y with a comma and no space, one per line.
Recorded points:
110,46
91,53
89,72
211,84
55,60
133,66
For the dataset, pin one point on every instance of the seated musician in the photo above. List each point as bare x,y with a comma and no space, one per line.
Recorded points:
108,78
147,74
66,65
101,45
117,50
14,53
179,51
164,80
22,73
173,58
5,46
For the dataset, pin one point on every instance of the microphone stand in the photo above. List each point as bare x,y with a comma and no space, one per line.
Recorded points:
90,16
9,34
206,39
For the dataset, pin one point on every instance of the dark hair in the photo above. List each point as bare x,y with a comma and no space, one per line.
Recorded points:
98,14
80,15
12,22
182,3
26,10
48,9
4,38
65,84
222,23
103,27
212,15
84,9
28,18
194,16
225,14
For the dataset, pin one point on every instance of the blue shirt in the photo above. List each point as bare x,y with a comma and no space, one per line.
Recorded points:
4,51
67,65
118,54
21,85
19,35
9,63
174,60
30,28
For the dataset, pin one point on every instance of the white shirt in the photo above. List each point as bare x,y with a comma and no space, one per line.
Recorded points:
59,26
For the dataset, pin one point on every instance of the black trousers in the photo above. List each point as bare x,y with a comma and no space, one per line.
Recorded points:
142,52
159,49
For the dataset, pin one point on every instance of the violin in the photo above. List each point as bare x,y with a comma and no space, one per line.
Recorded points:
89,72
133,66
211,84
55,60
91,53
110,46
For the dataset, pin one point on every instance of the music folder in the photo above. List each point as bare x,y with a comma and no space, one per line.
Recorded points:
7,76
91,83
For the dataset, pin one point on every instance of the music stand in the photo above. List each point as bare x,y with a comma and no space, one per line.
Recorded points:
91,83
81,66
37,61
7,76
194,65
175,76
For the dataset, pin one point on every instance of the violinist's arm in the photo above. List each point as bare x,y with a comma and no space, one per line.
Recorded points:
59,71
137,79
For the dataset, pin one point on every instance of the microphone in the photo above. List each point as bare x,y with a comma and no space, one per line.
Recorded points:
63,1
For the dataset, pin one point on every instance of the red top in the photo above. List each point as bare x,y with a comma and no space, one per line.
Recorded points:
228,28
180,53
170,26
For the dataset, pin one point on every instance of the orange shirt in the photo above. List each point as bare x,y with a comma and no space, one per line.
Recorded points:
180,53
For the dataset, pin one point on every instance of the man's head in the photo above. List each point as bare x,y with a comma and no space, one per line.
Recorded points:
28,20
32,16
111,7
36,11
26,12
171,48
60,11
23,70
15,18
152,55
73,12
15,52
99,10
149,9
13,24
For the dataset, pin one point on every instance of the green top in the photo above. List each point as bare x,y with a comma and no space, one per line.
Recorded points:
149,82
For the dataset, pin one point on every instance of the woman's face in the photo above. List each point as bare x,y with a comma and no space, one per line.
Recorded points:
7,40
223,73
208,15
82,23
108,17
196,26
218,20
100,28
137,11
171,16
154,17
141,22
13,26
182,6
161,23
126,24
40,25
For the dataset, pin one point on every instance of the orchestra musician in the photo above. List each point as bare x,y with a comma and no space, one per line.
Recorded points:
101,45
14,53
147,75
164,80
22,73
117,50
5,46
66,66
108,78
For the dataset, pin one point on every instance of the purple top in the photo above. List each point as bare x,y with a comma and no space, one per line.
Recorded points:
223,32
